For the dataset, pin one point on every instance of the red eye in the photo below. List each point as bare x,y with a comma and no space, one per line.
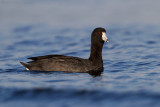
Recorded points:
99,33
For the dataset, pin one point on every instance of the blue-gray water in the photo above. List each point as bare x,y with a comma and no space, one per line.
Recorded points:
131,76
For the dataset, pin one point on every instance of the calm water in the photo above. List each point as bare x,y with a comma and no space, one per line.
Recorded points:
131,76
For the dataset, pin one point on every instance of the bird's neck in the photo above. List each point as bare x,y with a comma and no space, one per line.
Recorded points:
96,53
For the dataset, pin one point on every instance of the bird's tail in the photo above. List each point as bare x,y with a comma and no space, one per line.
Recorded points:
25,65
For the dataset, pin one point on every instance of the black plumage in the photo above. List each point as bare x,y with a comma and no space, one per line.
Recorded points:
70,63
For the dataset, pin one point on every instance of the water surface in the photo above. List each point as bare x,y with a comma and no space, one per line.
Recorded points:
131,76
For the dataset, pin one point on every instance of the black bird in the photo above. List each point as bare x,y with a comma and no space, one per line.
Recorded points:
70,63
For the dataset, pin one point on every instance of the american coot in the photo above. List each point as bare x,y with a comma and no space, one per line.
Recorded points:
70,63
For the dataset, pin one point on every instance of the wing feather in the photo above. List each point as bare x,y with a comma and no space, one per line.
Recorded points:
55,57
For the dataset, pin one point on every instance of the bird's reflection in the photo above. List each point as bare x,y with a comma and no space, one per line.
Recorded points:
92,73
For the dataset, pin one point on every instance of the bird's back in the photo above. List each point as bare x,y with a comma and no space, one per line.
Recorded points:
59,63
